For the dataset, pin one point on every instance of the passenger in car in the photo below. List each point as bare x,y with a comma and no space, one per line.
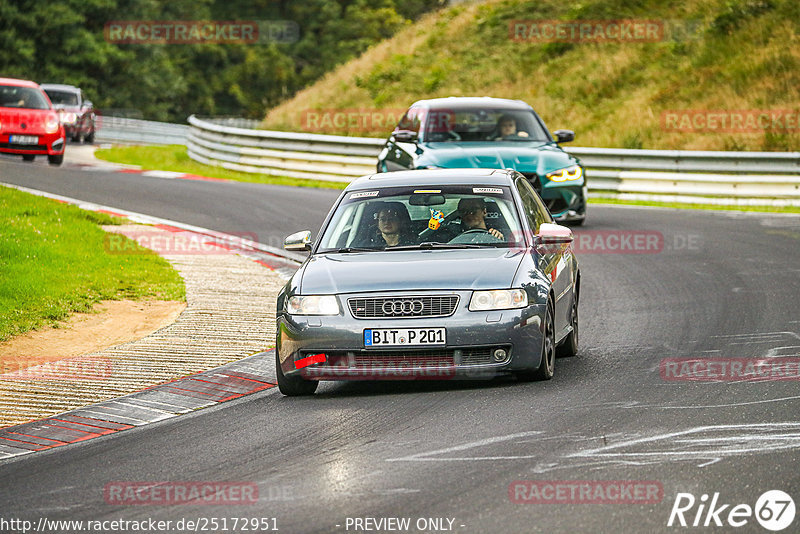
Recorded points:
473,216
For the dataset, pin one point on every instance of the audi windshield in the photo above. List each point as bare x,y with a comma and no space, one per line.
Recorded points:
402,218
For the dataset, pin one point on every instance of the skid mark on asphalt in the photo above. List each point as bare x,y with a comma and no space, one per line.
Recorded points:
437,455
703,445
759,337
529,440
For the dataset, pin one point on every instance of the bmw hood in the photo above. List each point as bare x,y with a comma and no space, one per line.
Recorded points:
490,268
525,157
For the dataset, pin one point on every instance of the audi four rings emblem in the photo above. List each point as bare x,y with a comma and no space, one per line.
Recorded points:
402,307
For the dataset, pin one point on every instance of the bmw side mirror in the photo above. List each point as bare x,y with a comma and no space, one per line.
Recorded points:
300,241
405,136
564,136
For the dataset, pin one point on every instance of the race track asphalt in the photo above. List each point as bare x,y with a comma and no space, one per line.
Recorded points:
720,286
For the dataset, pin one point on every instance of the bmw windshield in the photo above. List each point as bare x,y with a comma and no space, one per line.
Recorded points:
402,218
62,98
482,124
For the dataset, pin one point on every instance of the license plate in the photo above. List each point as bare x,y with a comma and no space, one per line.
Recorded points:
23,139
387,337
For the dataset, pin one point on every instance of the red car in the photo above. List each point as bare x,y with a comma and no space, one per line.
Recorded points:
29,126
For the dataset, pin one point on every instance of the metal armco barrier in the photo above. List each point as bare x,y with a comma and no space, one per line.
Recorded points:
752,178
125,130
321,157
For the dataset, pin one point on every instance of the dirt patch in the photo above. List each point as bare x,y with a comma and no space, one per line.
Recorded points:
116,322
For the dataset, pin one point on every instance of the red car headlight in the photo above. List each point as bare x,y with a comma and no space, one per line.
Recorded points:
51,124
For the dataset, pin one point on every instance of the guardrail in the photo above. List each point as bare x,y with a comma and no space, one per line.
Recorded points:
755,178
126,130
321,157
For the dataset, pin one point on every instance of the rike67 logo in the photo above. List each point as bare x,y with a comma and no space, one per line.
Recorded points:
774,510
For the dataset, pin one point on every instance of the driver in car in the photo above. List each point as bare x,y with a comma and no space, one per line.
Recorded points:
507,127
473,216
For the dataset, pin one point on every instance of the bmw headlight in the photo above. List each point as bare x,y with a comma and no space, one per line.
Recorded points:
498,299
570,173
313,305
51,124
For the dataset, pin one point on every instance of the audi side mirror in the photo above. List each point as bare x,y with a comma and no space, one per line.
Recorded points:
300,241
552,238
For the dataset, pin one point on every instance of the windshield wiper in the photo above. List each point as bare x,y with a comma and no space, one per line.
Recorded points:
352,249
428,245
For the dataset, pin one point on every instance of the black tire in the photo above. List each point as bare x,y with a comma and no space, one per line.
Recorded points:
547,366
28,157
55,160
293,386
90,138
569,347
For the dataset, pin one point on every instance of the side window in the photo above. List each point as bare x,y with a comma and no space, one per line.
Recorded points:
535,210
410,121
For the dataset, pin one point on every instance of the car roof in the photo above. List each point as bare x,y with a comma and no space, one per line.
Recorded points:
470,176
460,102
18,82
60,87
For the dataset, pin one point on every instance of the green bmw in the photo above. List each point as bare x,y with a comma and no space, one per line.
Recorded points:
491,133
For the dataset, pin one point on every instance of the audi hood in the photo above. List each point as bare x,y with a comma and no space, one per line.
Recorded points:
471,269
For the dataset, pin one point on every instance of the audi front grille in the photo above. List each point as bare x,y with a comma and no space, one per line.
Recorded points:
402,307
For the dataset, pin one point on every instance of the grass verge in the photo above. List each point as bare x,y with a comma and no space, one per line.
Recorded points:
174,158
53,262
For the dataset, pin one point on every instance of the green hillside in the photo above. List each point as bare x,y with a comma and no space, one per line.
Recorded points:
711,59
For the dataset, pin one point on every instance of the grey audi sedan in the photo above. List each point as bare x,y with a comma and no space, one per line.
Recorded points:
434,274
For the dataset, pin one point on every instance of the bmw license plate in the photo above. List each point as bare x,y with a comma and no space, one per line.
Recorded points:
388,337
23,139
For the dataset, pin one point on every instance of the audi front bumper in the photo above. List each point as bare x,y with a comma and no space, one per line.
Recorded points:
335,345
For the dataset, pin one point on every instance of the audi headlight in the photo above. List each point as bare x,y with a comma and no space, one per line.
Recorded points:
313,305
51,124
570,173
498,299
